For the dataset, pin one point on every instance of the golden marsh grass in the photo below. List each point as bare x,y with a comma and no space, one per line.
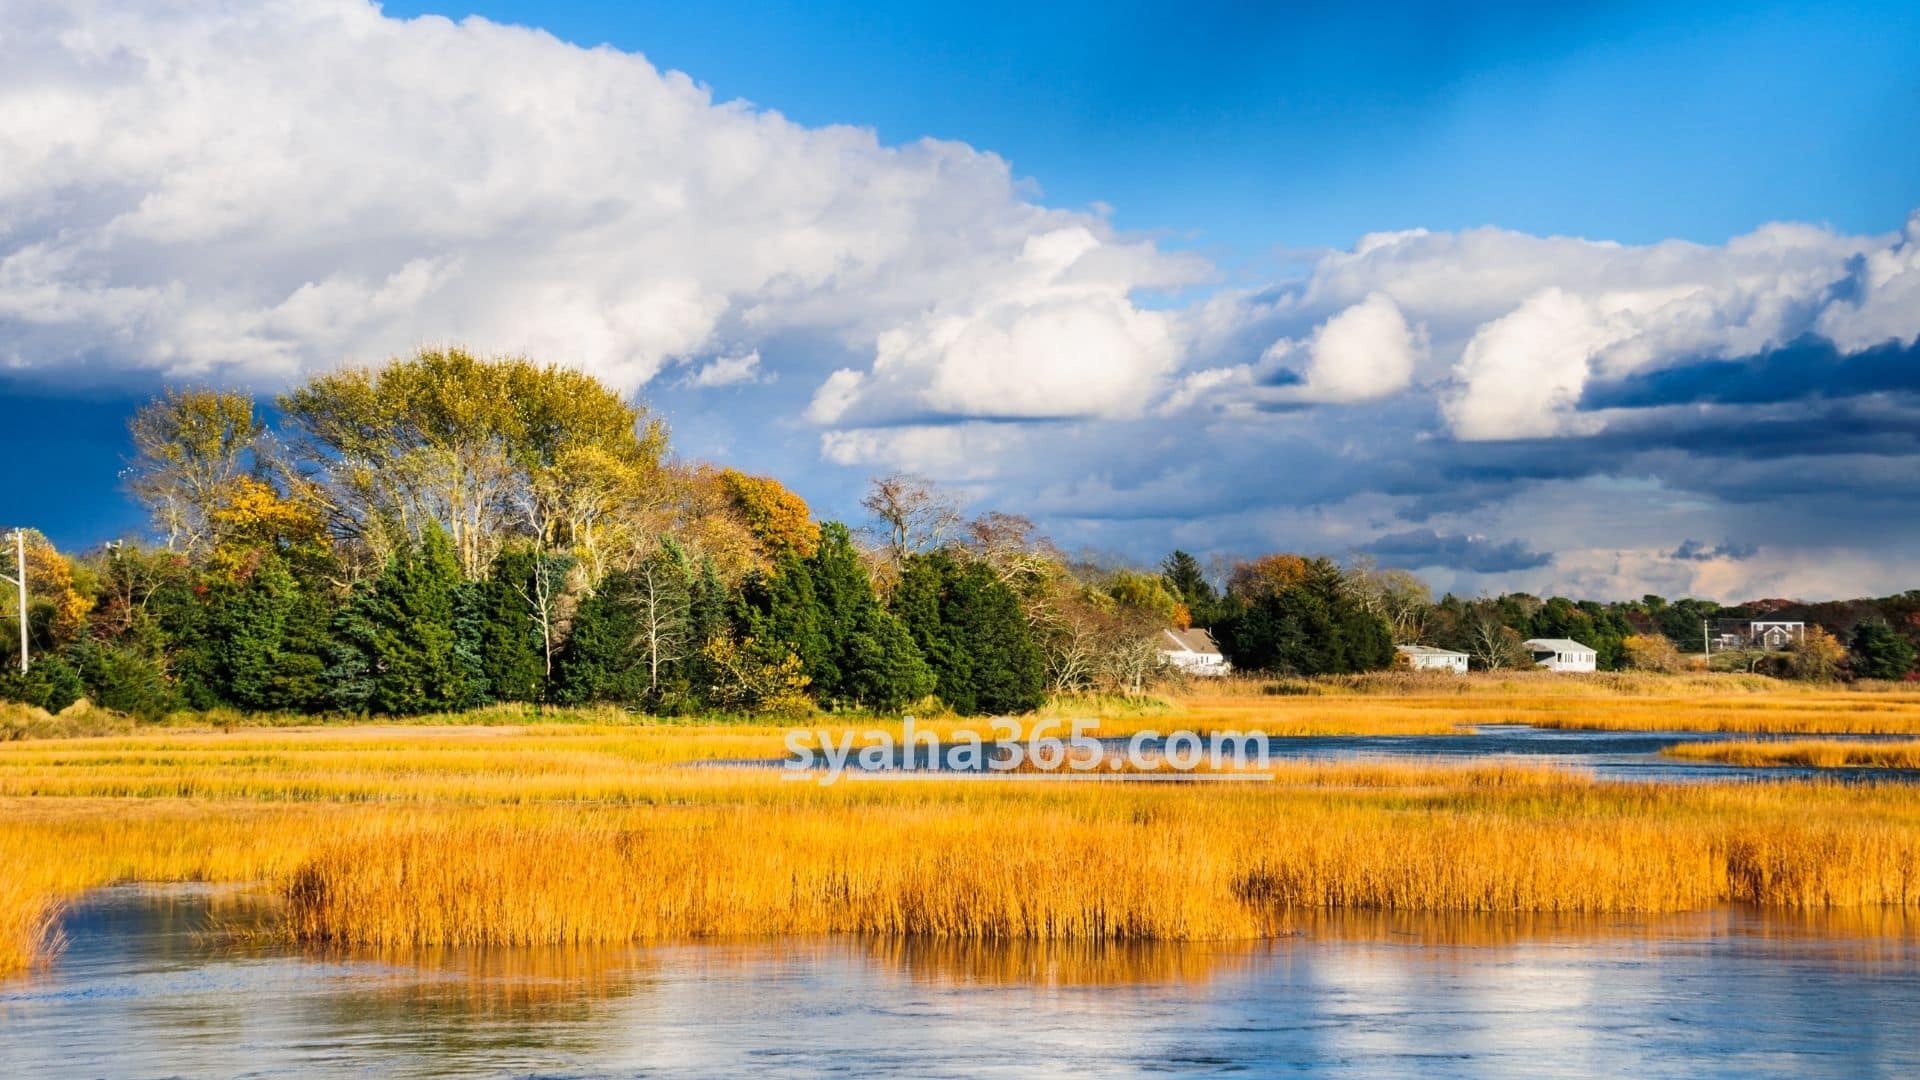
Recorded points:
409,836
1815,753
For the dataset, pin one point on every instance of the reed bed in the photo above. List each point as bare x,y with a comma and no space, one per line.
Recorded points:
739,853
579,833
1813,753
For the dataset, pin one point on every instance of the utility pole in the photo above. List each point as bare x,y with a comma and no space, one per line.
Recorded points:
20,583
1706,643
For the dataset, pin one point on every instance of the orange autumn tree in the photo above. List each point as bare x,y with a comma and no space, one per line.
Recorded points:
776,517
1268,574
56,608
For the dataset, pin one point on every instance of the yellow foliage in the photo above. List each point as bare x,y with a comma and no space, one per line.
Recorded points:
50,582
1268,574
251,513
777,517
1651,652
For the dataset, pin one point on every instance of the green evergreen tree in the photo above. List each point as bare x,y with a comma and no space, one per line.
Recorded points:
973,633
1312,626
709,617
182,618
1188,583
1881,652
503,638
123,679
262,633
600,661
50,683
823,609
403,626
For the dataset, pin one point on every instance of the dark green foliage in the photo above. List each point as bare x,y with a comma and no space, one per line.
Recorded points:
1685,621
823,608
1309,627
1188,583
1601,627
498,626
1881,652
181,618
708,616
973,634
782,607
601,660
880,666
708,606
402,625
49,682
123,679
265,637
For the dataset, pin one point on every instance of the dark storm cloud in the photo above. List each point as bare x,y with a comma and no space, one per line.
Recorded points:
1418,548
1695,551
1810,368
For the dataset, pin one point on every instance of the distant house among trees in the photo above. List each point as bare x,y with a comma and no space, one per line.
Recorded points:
1562,654
1192,651
1428,658
1770,634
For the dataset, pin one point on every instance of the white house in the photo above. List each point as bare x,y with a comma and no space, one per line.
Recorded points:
1428,658
1193,651
1771,634
1562,654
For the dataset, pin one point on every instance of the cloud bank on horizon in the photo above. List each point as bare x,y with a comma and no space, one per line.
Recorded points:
245,195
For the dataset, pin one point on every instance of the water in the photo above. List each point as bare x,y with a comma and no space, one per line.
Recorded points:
1606,755
145,990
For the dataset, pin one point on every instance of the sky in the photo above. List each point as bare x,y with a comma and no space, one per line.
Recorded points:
1616,299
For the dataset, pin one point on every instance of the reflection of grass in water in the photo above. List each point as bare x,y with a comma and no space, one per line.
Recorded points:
546,980
1877,924
1814,753
949,962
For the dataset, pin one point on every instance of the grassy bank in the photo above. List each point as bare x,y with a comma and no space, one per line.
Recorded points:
1384,703
429,835
1620,701
1813,753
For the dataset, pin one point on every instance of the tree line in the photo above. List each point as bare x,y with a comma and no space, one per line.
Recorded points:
448,531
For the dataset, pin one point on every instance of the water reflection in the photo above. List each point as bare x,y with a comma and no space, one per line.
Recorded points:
169,982
1061,964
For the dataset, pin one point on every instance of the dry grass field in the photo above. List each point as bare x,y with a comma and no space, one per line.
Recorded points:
1814,753
581,830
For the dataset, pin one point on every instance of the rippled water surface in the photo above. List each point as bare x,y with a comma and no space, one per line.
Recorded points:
1605,755
147,988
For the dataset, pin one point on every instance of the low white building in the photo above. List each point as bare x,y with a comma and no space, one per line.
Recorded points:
1193,651
1428,658
1562,654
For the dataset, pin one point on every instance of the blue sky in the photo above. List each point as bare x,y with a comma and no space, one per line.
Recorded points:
1598,299
1251,127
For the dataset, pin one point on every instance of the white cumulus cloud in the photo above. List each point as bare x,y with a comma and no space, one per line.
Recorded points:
249,192
728,370
1365,352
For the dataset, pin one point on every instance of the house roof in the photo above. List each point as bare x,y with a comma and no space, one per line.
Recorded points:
1556,644
1427,650
1195,640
